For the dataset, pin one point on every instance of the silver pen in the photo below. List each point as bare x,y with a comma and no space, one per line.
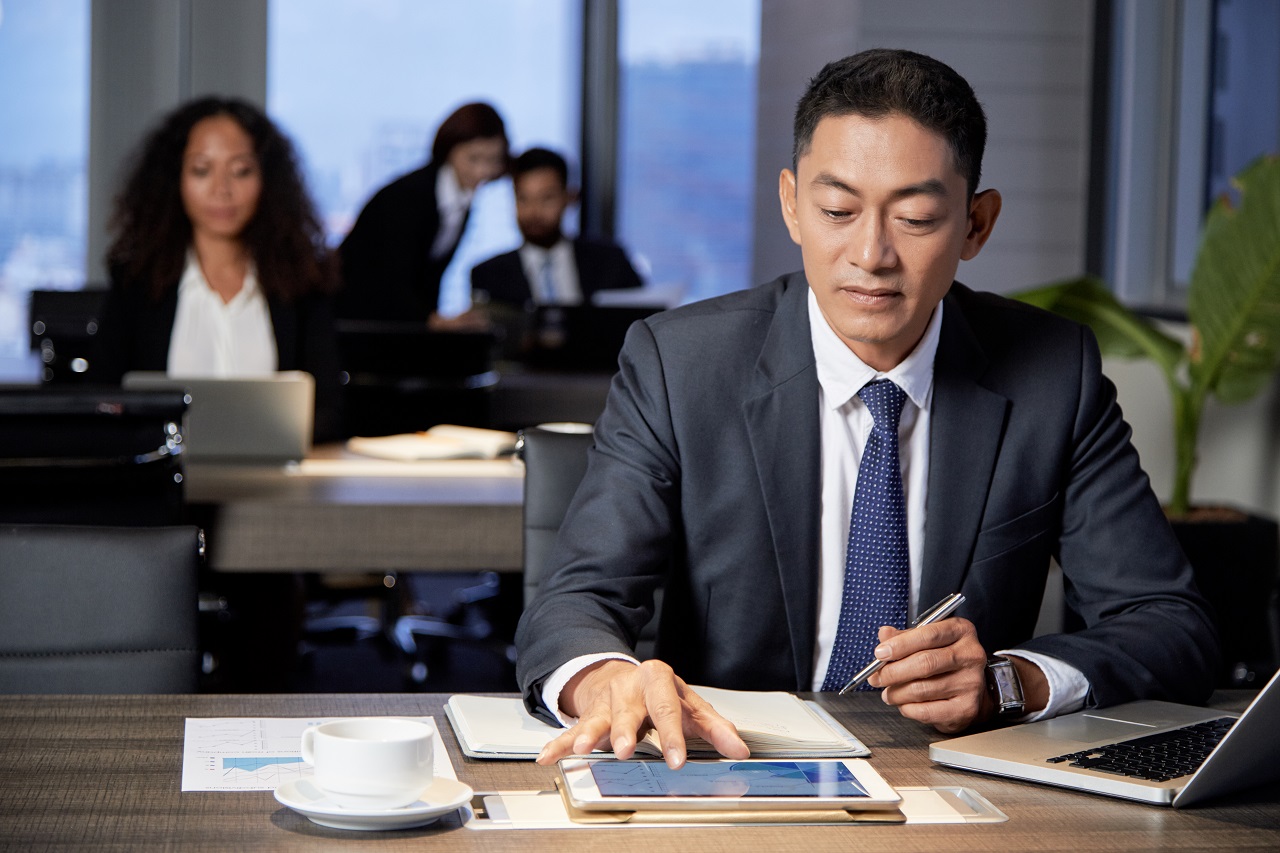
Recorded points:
936,613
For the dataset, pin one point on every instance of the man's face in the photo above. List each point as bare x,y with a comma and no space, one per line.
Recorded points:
541,200
880,213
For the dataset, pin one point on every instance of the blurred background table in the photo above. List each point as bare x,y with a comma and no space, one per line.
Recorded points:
340,512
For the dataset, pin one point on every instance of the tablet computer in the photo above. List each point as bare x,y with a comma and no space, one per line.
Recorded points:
840,783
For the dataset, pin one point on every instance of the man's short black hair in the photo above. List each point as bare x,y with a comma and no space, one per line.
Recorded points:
541,158
878,82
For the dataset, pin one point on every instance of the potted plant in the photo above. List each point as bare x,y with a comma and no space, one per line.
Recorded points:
1233,310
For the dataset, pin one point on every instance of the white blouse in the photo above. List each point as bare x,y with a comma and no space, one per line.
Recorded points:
212,338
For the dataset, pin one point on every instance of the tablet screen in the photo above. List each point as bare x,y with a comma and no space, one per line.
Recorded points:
726,779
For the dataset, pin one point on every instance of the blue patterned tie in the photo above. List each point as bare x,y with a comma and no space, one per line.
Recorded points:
876,568
547,281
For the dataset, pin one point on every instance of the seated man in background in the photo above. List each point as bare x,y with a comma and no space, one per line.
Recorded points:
549,269
809,464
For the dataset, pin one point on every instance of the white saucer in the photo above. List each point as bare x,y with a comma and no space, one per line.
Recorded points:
443,796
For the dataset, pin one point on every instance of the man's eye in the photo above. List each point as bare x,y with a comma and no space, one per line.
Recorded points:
917,223
835,214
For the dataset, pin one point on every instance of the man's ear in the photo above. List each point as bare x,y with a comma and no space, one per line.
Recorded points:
787,197
571,196
984,210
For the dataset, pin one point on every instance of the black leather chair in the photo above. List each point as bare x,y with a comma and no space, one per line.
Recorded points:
63,325
85,455
555,461
98,609
400,377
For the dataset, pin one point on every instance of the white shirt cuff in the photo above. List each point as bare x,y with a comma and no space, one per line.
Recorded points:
560,677
1068,687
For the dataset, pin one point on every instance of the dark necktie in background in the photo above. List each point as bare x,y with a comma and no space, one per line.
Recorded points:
877,568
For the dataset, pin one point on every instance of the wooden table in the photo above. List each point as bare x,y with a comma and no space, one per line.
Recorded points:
341,513
103,773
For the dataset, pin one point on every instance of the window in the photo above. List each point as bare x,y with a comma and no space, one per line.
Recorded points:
687,140
361,87
44,61
1195,95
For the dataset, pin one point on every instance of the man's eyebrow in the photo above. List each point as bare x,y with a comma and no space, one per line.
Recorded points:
930,187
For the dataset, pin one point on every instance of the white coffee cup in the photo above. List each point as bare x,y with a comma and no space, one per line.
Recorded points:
371,763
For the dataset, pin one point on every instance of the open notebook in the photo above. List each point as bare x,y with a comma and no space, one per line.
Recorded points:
773,725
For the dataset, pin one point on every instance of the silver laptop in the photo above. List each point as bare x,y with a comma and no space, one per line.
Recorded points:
267,419
1094,750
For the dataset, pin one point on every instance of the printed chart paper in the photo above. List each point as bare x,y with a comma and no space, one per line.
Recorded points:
258,754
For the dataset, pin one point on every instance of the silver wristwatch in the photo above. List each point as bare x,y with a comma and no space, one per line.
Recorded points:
1005,687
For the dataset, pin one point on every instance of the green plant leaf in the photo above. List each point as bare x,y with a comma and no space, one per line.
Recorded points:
1121,332
1233,300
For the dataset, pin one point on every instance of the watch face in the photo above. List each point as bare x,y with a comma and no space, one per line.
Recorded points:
1005,686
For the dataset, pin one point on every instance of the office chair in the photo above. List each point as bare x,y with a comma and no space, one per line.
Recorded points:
555,462
98,609
63,324
400,377
86,455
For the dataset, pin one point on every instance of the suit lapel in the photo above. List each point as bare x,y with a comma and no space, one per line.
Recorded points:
968,424
782,424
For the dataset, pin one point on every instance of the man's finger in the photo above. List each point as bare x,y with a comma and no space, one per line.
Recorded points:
666,710
704,721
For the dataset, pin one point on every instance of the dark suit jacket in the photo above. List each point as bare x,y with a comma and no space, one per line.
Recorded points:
387,269
707,465
136,329
601,266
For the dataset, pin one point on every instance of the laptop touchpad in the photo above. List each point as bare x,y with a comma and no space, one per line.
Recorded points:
1086,728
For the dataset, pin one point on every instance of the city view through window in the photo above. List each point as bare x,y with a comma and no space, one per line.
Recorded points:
360,88
44,145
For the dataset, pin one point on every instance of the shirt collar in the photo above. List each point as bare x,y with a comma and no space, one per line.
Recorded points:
842,374
193,281
537,254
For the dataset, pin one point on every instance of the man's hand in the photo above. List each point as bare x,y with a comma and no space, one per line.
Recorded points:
937,674
616,702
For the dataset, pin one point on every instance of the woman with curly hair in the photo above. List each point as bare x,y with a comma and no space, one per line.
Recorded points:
219,266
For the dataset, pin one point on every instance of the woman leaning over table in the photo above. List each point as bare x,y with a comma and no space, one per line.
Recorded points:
218,266
404,239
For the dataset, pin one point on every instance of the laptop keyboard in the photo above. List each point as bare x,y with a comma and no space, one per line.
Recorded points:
1155,758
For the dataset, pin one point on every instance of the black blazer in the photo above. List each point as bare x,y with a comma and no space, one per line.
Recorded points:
601,266
387,269
136,329
707,464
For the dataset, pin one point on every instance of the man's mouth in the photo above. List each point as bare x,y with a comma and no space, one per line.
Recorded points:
871,296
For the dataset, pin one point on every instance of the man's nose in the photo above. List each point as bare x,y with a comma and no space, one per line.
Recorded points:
870,246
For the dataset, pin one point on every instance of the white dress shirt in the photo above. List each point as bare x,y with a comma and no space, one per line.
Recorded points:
844,425
452,202
552,273
212,338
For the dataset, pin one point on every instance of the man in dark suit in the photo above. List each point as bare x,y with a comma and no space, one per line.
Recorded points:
549,269
728,454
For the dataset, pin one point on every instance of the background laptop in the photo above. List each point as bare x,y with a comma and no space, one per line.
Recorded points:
268,419
1249,753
